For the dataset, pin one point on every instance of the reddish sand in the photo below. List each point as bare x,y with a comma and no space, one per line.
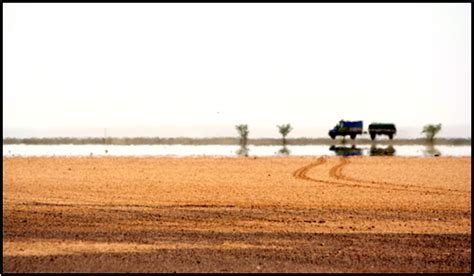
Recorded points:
272,214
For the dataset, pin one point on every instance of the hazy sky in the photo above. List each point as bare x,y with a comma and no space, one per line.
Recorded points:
199,69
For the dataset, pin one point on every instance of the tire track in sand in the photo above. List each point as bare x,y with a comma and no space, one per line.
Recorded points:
301,174
336,172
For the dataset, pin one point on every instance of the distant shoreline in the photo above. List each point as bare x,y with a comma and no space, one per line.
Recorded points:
229,141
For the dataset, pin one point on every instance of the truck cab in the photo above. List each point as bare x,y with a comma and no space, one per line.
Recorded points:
343,128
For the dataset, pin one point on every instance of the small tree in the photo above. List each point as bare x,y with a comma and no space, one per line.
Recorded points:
284,130
243,132
430,131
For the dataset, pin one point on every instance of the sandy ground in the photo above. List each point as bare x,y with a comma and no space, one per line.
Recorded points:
272,214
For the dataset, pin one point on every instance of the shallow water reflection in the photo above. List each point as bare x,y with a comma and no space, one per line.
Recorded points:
233,150
346,150
243,151
284,151
431,151
382,151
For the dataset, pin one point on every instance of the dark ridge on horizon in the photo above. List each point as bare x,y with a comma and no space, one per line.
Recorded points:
226,141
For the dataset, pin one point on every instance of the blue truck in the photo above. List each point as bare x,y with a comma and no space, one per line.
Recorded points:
352,128
344,128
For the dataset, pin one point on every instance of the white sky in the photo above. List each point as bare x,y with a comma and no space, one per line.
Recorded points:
199,69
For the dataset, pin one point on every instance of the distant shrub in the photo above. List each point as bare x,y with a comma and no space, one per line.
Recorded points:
284,131
243,132
430,131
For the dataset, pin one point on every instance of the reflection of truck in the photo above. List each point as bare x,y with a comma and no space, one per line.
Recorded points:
344,128
388,151
346,151
382,129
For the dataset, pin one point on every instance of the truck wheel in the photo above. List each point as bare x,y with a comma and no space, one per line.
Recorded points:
353,136
390,136
372,136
